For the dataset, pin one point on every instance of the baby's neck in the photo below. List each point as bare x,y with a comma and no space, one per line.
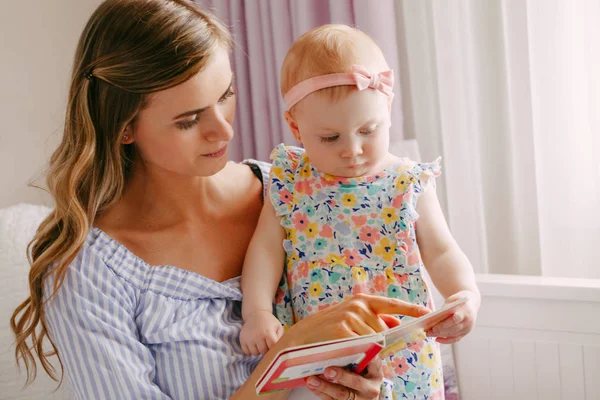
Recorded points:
388,161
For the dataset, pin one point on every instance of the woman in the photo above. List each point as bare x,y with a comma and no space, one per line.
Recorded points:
135,274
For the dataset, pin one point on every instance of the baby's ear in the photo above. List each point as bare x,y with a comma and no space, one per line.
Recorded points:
291,121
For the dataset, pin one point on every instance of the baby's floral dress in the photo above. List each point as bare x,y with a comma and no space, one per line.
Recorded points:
346,236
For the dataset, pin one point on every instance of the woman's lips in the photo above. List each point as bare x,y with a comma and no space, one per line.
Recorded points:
217,153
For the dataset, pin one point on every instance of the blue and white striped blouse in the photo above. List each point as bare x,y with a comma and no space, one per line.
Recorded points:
127,330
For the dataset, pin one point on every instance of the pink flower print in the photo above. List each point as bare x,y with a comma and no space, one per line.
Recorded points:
303,270
360,289
300,221
437,396
398,201
328,181
323,306
285,196
402,279
379,283
279,295
414,258
400,365
416,346
341,217
403,247
373,215
402,234
326,231
360,220
303,187
369,234
352,257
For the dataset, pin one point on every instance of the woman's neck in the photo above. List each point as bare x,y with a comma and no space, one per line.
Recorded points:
158,198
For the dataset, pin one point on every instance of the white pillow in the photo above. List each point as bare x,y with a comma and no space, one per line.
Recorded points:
17,227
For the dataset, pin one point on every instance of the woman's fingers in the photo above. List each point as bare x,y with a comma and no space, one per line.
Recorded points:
363,322
374,370
390,321
328,390
365,386
385,305
320,395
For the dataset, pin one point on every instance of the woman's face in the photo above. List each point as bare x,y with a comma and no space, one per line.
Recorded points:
185,130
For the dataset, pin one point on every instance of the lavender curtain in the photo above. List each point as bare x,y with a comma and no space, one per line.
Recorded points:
263,30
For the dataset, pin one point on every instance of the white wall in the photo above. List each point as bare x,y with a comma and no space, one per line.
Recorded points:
37,44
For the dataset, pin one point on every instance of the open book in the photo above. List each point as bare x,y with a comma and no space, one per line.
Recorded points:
291,367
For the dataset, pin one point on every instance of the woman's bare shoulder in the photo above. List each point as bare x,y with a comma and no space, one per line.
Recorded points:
241,178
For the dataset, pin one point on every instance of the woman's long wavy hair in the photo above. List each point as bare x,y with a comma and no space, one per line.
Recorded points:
128,49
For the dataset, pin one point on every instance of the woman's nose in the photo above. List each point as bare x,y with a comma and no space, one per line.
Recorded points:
219,129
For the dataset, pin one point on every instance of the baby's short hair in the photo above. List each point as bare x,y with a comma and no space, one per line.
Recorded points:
329,49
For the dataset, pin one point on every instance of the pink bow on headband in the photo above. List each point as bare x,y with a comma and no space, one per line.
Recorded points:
360,76
382,81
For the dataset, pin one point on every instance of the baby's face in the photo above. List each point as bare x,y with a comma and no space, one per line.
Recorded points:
348,137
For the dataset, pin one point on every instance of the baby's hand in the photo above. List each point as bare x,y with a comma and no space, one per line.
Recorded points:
260,332
455,327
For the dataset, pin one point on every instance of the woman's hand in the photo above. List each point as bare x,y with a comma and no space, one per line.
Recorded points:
359,315
457,326
340,384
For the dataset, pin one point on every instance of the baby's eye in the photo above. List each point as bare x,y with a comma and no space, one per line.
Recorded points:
329,139
368,131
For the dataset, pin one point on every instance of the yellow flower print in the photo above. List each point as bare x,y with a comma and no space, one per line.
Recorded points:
293,236
389,274
428,357
359,274
349,200
277,172
312,230
315,289
394,348
312,265
305,171
403,180
334,259
436,379
389,215
386,249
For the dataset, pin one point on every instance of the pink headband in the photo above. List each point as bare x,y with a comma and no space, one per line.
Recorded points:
360,76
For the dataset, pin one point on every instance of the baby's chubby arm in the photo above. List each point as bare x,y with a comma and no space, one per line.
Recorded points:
261,273
448,267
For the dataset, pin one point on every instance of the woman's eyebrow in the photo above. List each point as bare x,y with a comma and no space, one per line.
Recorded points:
200,110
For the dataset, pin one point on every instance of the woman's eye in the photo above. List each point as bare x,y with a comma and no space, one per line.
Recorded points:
187,124
229,94
329,139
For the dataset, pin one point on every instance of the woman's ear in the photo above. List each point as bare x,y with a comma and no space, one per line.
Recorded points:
127,137
291,121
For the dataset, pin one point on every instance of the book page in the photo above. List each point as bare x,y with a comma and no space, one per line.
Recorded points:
415,329
318,367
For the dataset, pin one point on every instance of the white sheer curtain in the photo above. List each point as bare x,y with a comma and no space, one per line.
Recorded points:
509,93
